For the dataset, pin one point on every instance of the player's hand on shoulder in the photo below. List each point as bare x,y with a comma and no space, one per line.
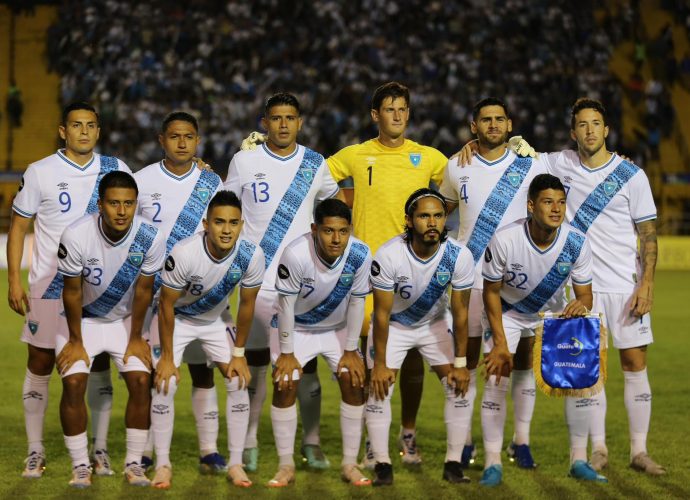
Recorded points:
464,156
137,347
252,140
381,379
18,300
237,367
165,370
521,147
352,362
286,364
70,354
459,379
201,164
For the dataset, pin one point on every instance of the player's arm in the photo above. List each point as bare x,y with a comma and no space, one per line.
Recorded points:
381,376
74,349
499,361
286,363
644,294
351,359
143,295
245,312
166,325
16,295
582,302
459,376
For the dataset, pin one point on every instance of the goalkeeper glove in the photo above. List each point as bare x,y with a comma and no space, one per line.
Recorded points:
250,142
521,147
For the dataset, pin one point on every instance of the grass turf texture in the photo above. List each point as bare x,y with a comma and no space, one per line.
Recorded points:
668,442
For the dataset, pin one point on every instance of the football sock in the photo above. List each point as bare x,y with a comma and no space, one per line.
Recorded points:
35,394
284,422
577,417
162,419
524,395
309,397
638,401
457,415
78,448
148,448
378,419
99,396
597,423
257,396
237,411
205,407
493,418
351,430
471,396
135,442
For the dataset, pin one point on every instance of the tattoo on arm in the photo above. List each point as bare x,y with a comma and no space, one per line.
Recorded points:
648,248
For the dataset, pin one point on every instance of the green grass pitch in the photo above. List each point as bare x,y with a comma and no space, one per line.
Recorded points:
668,439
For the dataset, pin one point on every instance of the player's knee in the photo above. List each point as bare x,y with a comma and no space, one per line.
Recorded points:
74,387
634,359
285,397
258,357
310,367
201,375
351,395
139,382
40,361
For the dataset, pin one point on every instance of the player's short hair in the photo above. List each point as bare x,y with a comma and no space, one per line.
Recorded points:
116,179
488,101
181,116
587,103
281,99
411,206
76,106
392,90
543,182
224,198
332,207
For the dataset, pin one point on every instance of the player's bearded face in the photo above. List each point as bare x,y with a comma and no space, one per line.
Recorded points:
81,131
331,237
492,126
548,210
590,131
282,125
392,117
117,208
179,141
428,221
223,226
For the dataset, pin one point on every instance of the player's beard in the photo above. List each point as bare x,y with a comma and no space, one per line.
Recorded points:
489,143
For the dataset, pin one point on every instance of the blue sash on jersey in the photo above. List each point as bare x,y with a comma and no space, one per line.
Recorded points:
558,273
290,203
224,287
188,219
354,261
434,290
125,276
108,164
598,199
496,205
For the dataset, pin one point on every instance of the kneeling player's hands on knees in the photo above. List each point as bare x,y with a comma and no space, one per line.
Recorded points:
70,354
575,308
459,379
381,379
497,361
286,364
138,348
353,364
165,370
237,367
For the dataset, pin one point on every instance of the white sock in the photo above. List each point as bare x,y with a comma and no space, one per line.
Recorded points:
638,401
351,430
597,422
162,420
78,448
135,442
205,406
524,394
378,418
494,418
35,394
257,396
99,397
471,396
284,422
457,415
577,417
309,397
148,448
237,411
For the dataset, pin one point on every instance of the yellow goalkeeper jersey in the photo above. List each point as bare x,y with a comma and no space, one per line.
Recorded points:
383,179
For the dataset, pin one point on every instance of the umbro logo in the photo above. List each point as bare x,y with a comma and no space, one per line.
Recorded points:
156,196
586,403
645,397
195,278
374,409
403,279
567,179
62,186
240,408
463,403
106,390
211,415
259,176
33,395
491,406
160,409
93,262
529,392
516,266
464,179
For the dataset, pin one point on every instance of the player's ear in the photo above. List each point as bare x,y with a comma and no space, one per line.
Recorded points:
204,222
473,127
375,115
314,229
606,131
160,140
510,125
530,206
572,135
62,132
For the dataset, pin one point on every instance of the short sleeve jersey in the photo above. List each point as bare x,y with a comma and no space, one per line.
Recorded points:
490,195
413,281
278,197
57,192
383,180
323,289
109,268
208,282
534,279
606,203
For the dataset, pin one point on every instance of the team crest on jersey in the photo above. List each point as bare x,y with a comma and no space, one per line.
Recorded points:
136,258
33,326
442,278
203,194
514,179
235,274
156,351
308,174
415,159
564,268
346,279
610,187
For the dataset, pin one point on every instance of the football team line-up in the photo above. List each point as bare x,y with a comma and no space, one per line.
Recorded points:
138,268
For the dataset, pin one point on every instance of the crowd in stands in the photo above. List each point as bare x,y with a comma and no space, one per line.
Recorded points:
220,59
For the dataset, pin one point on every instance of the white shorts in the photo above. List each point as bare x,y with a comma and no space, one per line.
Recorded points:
329,344
476,310
433,341
264,310
514,329
98,337
43,320
627,329
212,340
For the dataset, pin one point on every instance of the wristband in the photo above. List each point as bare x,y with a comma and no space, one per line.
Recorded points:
460,362
238,352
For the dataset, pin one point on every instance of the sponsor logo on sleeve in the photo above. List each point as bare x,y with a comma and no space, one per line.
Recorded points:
283,272
375,268
487,256
62,251
169,263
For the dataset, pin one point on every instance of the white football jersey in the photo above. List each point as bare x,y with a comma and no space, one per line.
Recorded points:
606,203
58,192
323,289
489,194
534,279
419,286
208,282
109,269
278,196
